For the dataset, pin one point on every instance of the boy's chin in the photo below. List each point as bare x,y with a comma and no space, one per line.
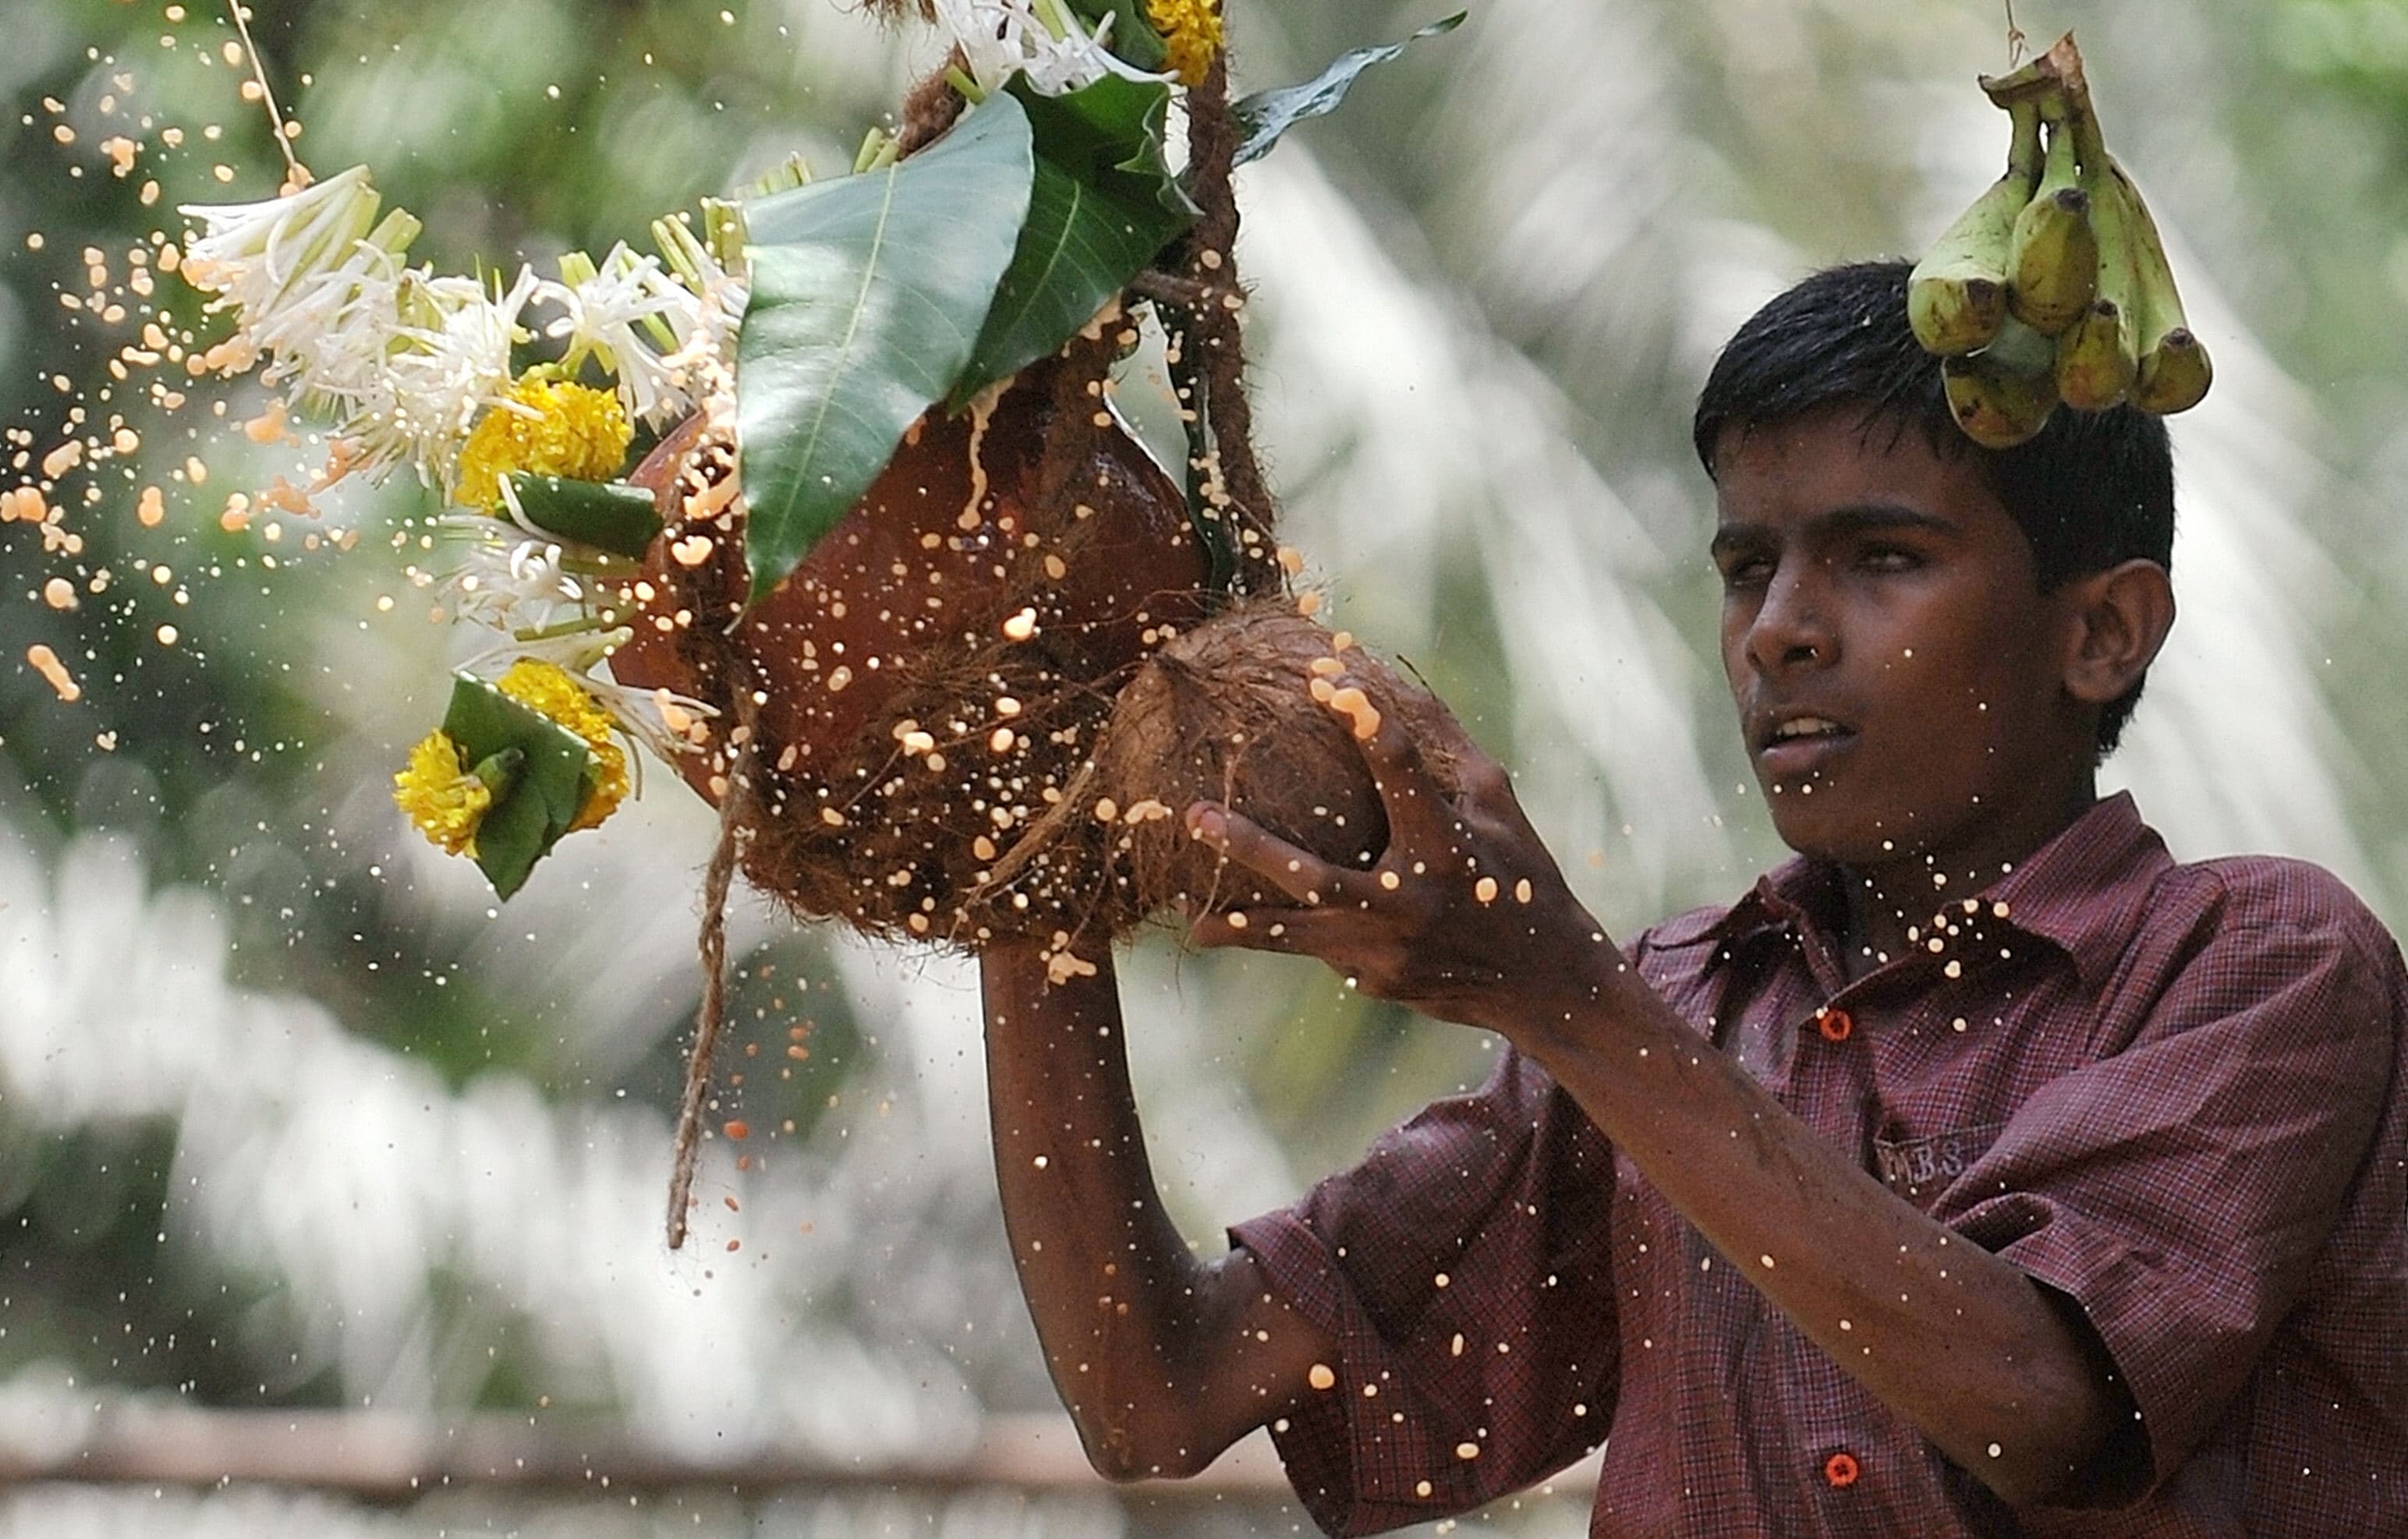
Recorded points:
1834,833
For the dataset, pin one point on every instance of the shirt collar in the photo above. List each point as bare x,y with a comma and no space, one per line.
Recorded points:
2082,891
1796,894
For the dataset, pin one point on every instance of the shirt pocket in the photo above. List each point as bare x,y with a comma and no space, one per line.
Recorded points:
1920,1167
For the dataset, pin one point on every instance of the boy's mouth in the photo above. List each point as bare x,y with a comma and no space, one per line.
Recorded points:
1795,744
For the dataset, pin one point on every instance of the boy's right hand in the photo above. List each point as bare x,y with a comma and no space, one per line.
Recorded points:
1465,915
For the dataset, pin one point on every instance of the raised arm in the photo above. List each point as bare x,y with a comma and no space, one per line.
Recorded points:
1467,917
1163,1357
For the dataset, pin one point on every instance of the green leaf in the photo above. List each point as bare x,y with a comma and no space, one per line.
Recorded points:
1103,205
867,293
1133,36
539,802
609,516
500,771
1266,115
1112,132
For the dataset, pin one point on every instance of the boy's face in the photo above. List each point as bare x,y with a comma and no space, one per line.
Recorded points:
1899,677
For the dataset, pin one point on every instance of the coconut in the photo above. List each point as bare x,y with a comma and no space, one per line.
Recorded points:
1227,713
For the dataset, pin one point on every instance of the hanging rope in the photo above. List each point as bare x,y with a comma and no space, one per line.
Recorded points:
734,811
297,175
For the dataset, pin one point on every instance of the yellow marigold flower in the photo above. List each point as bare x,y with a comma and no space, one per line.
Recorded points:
1191,29
547,689
438,795
550,427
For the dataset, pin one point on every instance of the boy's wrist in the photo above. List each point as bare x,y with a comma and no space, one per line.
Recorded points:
1566,1004
1027,1001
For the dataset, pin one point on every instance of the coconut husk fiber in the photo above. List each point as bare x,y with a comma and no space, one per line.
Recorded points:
1013,762
915,689
1095,844
1226,713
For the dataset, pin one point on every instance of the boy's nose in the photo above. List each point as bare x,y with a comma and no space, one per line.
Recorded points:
1791,629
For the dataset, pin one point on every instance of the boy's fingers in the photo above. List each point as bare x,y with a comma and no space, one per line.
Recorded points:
1419,815
1296,933
1448,734
1481,776
1300,874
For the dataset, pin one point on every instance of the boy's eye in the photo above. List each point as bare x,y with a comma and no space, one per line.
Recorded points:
1889,558
1744,571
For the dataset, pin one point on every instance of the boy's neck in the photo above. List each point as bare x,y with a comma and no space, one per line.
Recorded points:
1883,903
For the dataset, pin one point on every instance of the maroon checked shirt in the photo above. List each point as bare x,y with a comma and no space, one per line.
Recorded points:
2169,1092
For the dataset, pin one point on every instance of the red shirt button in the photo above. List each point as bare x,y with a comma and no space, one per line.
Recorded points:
1841,1470
1835,1025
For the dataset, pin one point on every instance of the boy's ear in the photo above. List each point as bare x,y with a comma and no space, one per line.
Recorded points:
2119,619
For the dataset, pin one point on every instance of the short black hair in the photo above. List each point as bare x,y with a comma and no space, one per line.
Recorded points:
2092,490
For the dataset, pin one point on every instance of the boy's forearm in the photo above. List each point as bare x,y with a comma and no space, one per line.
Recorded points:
1956,1340
1154,1351
1096,1256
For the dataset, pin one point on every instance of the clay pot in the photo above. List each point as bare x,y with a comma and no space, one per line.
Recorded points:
934,674
947,548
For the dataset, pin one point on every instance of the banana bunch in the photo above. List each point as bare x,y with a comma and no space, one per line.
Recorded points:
2054,286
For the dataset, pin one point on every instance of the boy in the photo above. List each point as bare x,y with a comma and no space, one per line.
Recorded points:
1981,1171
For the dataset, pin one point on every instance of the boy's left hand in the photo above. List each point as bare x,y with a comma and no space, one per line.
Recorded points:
1465,915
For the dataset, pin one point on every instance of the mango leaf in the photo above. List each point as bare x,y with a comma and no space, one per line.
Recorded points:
867,291
1132,35
1110,132
1104,203
535,807
609,516
1266,115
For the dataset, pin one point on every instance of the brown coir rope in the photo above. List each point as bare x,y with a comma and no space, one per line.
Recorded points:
735,812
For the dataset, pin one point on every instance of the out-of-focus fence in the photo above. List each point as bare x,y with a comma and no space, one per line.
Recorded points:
75,1463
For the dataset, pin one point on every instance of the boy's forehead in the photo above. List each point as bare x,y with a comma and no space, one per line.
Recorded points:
1837,457
1831,430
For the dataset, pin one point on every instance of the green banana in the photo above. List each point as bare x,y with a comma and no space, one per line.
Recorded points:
1957,295
2098,357
2044,74
2174,370
2053,273
2004,393
2092,318
2174,374
2095,365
